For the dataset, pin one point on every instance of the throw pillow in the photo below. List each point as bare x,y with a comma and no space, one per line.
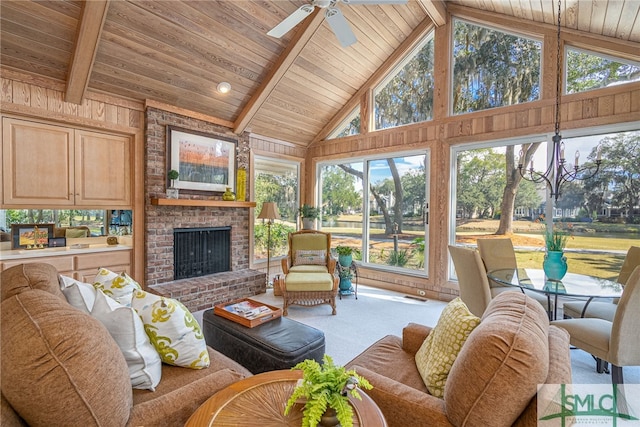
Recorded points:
438,352
126,328
80,295
310,257
120,287
75,233
172,329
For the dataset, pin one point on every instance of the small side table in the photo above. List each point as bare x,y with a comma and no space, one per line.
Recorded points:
260,401
354,269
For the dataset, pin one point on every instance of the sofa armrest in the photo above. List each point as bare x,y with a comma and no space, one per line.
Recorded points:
413,335
403,405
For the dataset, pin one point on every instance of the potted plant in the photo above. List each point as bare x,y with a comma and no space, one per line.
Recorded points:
172,192
309,214
345,275
345,255
325,389
555,263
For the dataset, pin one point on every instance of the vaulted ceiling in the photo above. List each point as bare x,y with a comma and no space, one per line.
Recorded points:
176,52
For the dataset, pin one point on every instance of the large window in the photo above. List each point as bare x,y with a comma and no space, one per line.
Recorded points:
492,68
601,214
379,206
275,181
406,95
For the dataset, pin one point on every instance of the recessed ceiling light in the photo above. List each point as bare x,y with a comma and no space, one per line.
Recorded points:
224,87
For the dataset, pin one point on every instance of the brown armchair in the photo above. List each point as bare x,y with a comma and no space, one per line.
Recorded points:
309,271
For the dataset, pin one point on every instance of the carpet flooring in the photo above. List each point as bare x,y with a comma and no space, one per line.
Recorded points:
376,313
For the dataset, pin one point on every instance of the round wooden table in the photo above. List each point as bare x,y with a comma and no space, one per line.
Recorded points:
260,401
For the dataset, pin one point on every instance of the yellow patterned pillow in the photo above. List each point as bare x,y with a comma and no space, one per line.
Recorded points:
120,287
440,349
172,329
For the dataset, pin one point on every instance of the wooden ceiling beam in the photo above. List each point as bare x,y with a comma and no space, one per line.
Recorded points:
436,9
94,14
286,59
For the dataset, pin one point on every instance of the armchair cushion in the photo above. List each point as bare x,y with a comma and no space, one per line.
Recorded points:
309,269
438,352
308,281
310,257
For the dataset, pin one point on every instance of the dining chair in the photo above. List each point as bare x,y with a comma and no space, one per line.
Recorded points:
611,342
498,253
472,279
604,309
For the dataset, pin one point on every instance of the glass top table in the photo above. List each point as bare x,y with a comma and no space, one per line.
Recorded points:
571,285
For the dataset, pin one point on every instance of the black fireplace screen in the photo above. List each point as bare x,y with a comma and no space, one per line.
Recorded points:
201,251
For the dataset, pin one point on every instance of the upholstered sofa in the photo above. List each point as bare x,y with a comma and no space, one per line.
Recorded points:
61,367
493,381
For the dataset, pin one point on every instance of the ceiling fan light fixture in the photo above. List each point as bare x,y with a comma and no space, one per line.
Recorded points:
223,87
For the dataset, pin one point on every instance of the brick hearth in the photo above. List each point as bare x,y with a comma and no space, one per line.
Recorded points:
201,292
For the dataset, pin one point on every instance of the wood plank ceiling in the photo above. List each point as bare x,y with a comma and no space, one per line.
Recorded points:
176,52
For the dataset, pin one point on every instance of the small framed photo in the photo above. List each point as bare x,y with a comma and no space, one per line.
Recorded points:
30,236
204,162
57,242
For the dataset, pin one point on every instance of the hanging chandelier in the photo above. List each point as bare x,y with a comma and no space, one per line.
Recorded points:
559,172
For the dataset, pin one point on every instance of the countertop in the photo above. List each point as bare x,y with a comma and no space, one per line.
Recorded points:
7,255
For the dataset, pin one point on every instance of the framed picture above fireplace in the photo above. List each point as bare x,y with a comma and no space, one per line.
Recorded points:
204,162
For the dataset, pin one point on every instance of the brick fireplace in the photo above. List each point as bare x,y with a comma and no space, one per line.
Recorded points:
196,293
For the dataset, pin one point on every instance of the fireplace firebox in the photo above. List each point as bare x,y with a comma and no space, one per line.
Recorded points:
201,251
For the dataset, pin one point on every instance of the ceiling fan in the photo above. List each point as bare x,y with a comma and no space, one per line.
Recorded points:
334,16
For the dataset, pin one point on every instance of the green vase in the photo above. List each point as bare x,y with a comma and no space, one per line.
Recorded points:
555,265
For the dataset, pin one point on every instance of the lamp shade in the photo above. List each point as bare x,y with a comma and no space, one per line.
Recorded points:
269,211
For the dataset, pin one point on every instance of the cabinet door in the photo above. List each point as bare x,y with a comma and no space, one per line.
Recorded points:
37,164
103,169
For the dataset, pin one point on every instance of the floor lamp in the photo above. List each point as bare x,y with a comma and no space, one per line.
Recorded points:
269,212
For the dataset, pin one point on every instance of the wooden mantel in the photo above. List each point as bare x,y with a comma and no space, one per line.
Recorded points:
195,202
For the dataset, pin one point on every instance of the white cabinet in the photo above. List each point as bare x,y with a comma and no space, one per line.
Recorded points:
57,166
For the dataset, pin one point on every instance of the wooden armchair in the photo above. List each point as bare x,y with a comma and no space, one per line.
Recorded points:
309,271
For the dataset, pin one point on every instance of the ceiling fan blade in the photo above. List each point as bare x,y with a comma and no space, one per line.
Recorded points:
374,1
340,27
291,21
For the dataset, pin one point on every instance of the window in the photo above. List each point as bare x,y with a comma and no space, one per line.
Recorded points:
601,214
349,126
492,68
379,206
406,95
588,70
100,222
275,181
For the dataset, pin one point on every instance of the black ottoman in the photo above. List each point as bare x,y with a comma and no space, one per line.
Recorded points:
278,344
